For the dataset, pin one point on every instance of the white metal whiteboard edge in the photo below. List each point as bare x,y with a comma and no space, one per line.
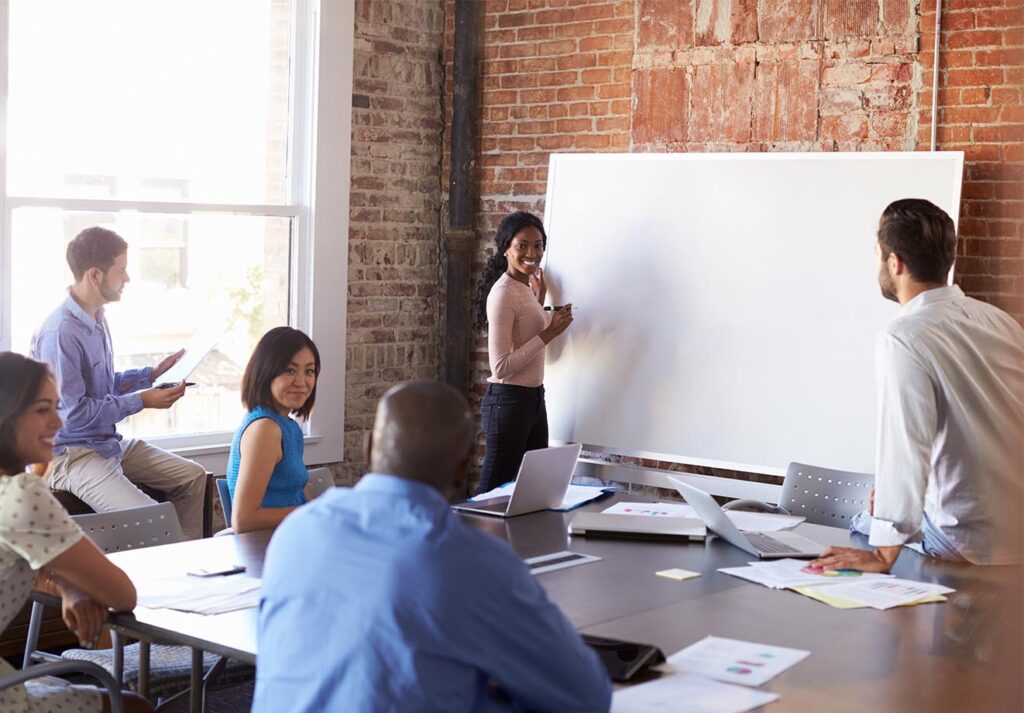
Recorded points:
667,458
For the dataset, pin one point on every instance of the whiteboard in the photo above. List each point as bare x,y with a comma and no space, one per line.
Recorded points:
726,305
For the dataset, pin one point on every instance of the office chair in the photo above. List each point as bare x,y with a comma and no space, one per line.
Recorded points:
155,671
825,496
60,668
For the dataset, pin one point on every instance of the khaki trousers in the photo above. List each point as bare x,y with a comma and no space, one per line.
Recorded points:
106,484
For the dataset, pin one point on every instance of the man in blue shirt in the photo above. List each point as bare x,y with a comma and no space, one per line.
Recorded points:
90,458
379,598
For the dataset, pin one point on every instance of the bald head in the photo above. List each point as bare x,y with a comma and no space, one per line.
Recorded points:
423,431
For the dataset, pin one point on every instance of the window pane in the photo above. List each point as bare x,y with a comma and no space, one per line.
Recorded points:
180,100
188,272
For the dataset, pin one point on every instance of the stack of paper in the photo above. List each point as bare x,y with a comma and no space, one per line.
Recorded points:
880,594
575,496
689,685
745,521
789,573
201,595
845,589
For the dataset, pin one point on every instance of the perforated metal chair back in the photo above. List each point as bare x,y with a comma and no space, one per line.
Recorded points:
225,499
133,528
825,496
320,481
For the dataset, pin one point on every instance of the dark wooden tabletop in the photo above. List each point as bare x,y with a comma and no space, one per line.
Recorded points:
963,655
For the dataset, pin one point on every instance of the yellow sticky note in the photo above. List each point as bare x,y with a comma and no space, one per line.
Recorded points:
677,574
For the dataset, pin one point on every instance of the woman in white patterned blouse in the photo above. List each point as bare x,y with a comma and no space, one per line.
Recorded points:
42,548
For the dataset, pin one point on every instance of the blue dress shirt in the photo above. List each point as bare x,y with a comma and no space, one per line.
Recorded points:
378,598
93,397
286,487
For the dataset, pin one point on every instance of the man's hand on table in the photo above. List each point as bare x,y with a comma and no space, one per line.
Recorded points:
879,560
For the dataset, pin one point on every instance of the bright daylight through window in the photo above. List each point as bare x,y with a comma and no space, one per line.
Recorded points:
186,128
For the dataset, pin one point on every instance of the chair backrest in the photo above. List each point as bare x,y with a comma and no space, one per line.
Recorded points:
825,496
320,481
133,528
225,499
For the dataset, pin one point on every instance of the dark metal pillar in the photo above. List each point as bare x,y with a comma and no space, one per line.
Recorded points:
460,238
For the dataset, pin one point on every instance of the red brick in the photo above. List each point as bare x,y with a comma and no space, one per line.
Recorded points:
721,105
725,22
661,105
786,101
896,17
850,18
787,20
975,38
842,127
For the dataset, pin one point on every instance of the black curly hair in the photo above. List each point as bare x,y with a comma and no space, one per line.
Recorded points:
497,263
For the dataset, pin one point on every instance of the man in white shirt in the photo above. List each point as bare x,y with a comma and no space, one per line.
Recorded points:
950,461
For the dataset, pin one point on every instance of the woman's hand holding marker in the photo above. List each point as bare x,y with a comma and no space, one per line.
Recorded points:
561,318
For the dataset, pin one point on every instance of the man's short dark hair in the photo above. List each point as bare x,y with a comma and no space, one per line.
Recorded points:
270,358
922,234
94,247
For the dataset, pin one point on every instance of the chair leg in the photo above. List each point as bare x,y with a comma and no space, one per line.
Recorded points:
117,642
144,668
196,703
32,642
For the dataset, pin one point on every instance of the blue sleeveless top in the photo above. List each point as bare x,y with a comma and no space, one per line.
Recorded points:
286,484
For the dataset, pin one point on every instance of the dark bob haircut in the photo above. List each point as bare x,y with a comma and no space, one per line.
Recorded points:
94,247
922,234
269,360
21,379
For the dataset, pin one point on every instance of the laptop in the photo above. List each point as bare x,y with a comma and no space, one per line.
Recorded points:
599,524
544,477
761,544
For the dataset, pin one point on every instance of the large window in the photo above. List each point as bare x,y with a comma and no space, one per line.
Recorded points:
200,132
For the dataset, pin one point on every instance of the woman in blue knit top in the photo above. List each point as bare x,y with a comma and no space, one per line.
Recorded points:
266,475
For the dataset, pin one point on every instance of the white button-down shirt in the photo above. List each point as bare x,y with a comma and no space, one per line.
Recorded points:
950,373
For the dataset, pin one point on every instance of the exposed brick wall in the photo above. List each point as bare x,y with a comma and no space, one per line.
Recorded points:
755,75
981,113
393,324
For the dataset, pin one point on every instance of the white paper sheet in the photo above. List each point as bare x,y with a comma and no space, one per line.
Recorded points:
681,693
734,661
790,573
745,521
885,593
575,496
201,595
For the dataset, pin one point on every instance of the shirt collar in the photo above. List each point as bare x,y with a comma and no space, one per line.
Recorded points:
72,306
402,487
936,294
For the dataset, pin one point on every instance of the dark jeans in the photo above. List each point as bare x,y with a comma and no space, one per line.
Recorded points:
514,420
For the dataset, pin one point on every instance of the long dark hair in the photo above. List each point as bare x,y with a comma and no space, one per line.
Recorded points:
270,358
21,379
498,263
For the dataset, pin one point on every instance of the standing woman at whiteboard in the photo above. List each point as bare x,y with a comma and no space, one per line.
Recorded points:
508,304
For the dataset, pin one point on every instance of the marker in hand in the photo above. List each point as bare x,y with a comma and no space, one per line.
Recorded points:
171,384
554,308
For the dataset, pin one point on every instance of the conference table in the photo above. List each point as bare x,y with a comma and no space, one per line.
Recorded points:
961,655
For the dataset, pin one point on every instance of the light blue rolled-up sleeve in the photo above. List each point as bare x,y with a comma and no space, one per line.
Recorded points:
132,380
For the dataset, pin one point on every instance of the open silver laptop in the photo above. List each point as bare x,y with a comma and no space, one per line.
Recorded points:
544,477
761,544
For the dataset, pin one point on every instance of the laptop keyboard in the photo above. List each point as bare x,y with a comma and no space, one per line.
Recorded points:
769,545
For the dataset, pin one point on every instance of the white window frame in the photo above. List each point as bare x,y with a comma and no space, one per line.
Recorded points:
319,173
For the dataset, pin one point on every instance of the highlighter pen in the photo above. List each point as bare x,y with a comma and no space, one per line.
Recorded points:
550,308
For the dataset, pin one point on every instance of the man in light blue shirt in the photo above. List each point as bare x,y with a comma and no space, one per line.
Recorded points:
378,598
90,459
